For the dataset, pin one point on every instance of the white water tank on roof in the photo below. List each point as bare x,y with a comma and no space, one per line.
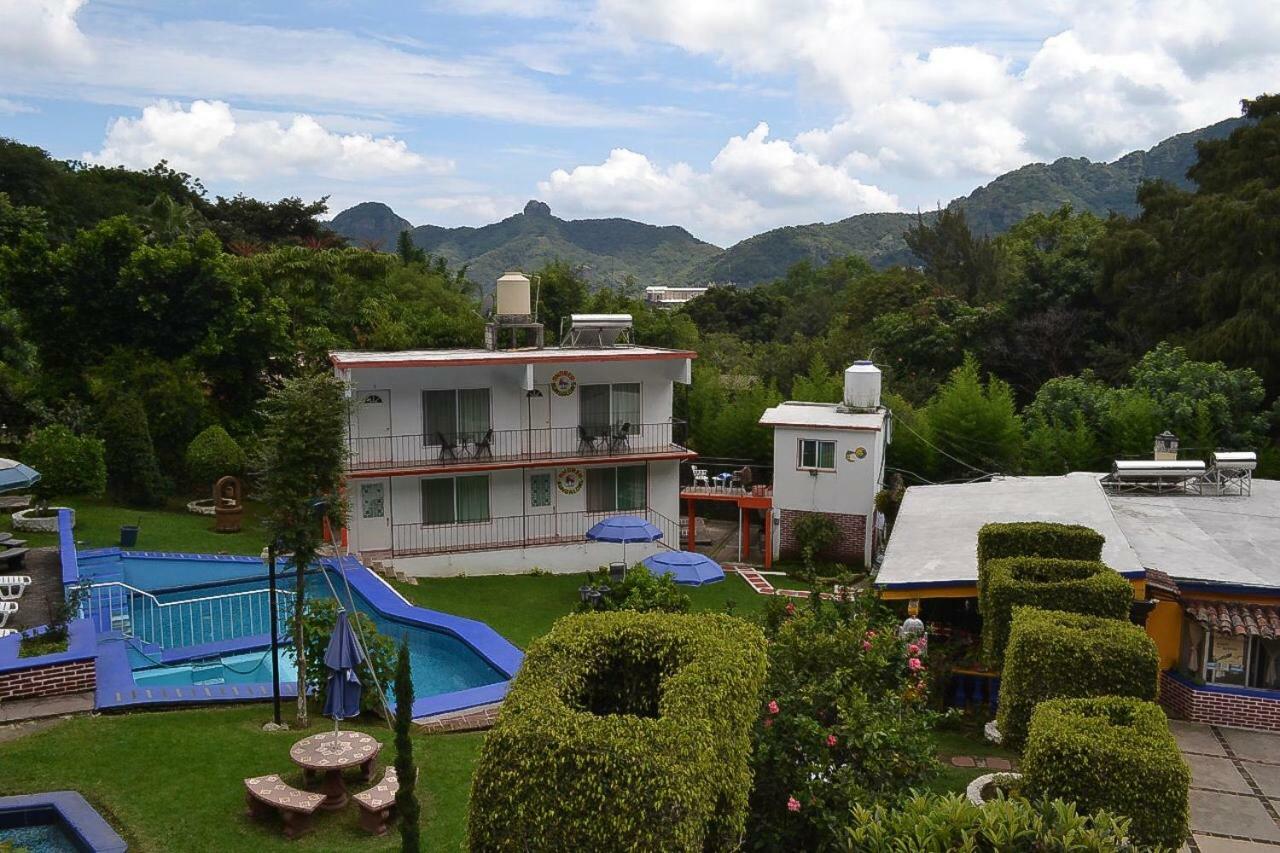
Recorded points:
512,297
1235,460
862,386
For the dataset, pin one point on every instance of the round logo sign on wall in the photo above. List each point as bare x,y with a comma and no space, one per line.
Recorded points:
853,455
569,481
563,383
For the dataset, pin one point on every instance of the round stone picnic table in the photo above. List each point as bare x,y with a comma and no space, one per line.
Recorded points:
330,753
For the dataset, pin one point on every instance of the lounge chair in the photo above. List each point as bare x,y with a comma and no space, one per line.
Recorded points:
13,586
7,632
265,794
448,449
7,609
377,803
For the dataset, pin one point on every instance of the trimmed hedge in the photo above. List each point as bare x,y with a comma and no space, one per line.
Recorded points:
1076,586
623,731
1038,539
1111,753
1055,655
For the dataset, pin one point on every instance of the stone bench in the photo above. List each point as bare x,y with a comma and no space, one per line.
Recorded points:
377,803
267,794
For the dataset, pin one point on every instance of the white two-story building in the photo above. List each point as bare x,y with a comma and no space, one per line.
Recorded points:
491,461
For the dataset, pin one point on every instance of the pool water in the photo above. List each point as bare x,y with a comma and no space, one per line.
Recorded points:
42,838
441,663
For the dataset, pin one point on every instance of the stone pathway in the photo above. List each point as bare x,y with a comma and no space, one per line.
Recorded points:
1235,788
466,720
761,584
44,567
988,762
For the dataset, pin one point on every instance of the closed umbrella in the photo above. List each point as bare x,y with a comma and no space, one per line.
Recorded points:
685,567
15,475
342,690
624,529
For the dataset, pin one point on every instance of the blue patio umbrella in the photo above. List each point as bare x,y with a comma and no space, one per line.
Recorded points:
15,475
624,529
685,567
342,690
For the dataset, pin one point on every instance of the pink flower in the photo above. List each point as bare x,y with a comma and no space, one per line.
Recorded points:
913,649
831,740
773,706
790,608
866,645
768,721
871,635
914,665
793,805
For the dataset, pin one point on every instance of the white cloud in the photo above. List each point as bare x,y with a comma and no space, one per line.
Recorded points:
209,141
43,31
754,183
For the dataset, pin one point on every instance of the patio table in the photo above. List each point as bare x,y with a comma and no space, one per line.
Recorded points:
330,753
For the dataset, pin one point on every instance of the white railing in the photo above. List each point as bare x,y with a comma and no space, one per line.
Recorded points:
117,606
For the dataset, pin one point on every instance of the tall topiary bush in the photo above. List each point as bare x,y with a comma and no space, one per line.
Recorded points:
213,454
1054,655
133,475
623,731
407,807
1111,753
69,464
1039,539
1075,586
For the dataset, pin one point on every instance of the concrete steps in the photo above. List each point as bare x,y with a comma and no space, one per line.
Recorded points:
389,571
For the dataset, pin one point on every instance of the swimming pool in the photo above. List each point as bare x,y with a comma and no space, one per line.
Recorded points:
201,621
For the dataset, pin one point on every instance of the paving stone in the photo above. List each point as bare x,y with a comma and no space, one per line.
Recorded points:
999,763
963,761
1194,737
1232,814
1266,775
1209,844
1219,774
1247,744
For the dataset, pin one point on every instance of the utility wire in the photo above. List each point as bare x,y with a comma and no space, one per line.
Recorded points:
907,427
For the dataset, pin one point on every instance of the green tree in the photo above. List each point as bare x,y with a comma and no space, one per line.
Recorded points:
561,290
407,252
69,464
133,476
406,770
955,259
303,453
213,454
820,384
975,425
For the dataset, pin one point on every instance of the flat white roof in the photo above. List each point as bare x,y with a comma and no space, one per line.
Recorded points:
451,357
1226,541
935,537
822,415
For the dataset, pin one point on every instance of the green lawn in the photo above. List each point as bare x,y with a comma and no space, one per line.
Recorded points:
173,780
967,741
170,529
522,607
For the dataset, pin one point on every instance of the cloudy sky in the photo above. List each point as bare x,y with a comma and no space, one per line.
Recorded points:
728,117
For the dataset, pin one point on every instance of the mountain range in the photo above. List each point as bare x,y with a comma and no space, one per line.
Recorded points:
611,250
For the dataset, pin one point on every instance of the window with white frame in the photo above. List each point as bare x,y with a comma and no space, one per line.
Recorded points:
455,500
602,408
612,489
455,415
817,455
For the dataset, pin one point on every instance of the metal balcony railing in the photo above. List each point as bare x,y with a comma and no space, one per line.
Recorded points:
514,531
419,450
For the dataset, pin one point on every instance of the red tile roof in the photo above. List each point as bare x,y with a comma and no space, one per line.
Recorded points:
1234,617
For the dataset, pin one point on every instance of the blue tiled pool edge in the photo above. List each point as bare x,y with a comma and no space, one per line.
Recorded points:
76,813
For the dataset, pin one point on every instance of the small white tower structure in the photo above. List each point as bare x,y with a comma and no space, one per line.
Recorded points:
828,458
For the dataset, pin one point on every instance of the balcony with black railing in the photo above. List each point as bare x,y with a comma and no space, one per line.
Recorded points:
546,444
514,531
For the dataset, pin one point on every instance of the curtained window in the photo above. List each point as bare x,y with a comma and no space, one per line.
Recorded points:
593,408
614,489
460,416
604,407
452,500
817,455
631,487
626,406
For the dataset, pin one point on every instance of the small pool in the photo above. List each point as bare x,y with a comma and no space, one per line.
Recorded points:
43,838
56,822
203,621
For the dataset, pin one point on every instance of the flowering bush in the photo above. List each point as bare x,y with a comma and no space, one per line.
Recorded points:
842,722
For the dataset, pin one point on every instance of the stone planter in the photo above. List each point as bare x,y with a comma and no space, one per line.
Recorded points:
992,732
28,522
978,788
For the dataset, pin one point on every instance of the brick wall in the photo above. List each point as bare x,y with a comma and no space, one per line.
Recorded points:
1219,708
51,680
850,543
